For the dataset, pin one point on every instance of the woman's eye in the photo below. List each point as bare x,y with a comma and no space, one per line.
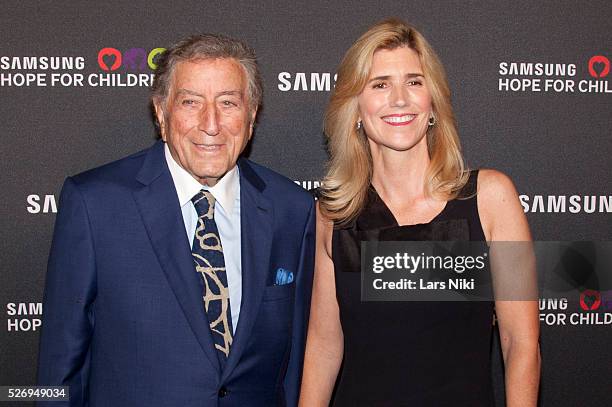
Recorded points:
413,83
379,85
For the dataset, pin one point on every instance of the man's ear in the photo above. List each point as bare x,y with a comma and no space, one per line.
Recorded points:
252,122
161,118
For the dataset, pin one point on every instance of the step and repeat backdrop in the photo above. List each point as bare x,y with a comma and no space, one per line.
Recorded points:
531,86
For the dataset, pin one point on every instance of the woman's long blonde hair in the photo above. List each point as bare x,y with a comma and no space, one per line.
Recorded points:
344,188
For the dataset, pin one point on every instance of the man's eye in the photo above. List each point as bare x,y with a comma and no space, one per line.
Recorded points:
229,103
188,102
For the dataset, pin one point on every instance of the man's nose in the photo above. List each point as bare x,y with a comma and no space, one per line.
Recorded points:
209,122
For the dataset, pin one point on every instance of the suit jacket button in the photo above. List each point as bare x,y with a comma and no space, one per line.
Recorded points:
222,392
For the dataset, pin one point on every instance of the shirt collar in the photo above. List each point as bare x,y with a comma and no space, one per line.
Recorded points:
225,190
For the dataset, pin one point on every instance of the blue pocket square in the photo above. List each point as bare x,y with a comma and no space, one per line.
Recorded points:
283,276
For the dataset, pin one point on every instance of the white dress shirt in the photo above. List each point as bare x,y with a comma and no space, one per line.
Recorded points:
227,217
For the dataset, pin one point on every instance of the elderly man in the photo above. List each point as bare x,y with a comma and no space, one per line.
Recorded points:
181,275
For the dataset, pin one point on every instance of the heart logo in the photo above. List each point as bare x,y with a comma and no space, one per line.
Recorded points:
599,66
109,57
590,300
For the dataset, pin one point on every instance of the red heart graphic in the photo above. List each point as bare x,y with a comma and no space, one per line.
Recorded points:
109,52
597,62
590,300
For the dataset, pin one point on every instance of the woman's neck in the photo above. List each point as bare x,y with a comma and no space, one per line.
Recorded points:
400,175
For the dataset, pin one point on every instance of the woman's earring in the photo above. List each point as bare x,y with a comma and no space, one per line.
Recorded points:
432,120
359,125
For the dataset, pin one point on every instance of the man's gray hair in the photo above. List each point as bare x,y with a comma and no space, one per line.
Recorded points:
208,46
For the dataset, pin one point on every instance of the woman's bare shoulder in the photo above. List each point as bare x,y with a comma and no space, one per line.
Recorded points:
501,213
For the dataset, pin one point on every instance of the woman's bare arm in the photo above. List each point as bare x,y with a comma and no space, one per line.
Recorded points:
504,221
325,342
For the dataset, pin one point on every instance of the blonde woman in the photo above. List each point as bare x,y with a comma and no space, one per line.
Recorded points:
396,165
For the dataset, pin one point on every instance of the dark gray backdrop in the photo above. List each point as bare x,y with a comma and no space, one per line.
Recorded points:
554,145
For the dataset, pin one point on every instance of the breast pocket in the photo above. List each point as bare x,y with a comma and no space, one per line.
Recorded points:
279,292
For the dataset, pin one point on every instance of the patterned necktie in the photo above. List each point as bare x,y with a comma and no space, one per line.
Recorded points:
207,255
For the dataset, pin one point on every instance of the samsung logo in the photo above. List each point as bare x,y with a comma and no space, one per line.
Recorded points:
536,69
565,203
308,185
302,81
41,204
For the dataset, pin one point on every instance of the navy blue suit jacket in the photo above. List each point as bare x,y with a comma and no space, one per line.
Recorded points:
124,322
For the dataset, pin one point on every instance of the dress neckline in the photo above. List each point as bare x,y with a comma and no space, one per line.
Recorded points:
377,214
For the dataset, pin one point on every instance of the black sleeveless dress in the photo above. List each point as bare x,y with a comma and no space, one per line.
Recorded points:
411,353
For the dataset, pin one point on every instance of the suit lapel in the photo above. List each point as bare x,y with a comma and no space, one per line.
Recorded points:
256,216
161,214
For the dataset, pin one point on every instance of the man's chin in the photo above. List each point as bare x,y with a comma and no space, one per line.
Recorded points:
210,178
